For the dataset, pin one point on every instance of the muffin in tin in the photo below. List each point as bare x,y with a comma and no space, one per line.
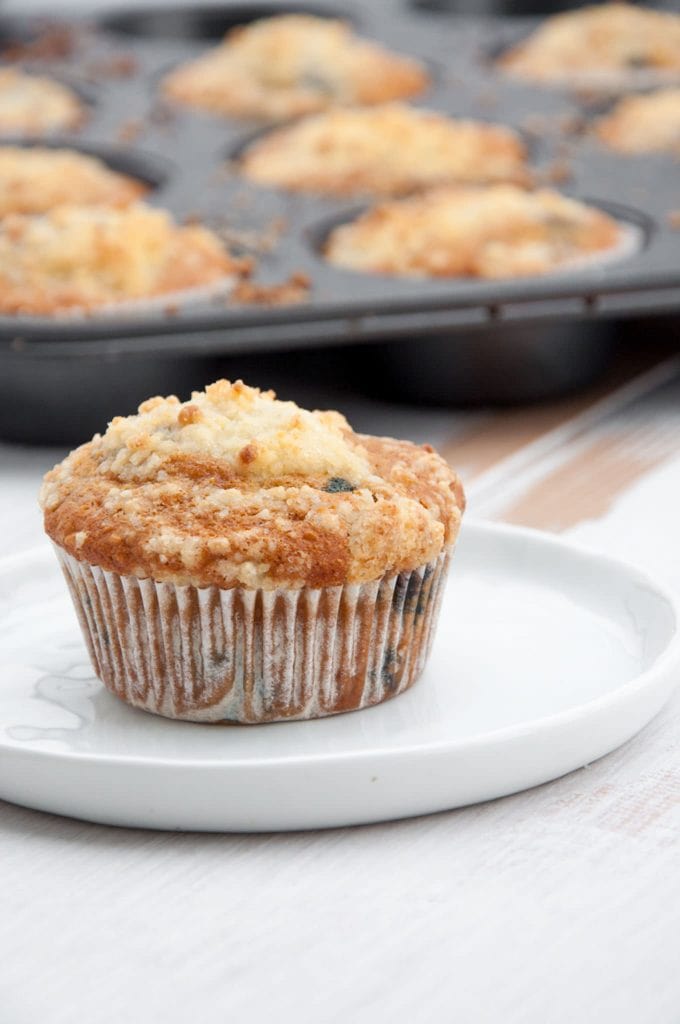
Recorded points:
614,45
643,124
493,232
286,66
83,258
384,150
237,558
35,179
34,105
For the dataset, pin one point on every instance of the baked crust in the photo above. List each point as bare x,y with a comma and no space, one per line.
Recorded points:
35,179
494,232
608,44
384,150
291,65
234,488
82,258
32,104
643,124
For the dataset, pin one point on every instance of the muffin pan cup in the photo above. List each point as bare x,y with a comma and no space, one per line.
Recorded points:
255,656
189,157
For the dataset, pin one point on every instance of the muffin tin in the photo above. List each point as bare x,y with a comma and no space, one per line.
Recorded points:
61,378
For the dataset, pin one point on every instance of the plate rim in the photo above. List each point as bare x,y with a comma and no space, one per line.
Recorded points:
505,734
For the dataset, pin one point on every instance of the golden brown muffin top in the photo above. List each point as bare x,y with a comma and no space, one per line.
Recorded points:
494,232
31,104
643,124
34,179
290,65
235,488
82,258
383,150
605,44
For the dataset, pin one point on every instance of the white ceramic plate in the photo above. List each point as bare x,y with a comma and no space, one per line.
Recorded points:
547,657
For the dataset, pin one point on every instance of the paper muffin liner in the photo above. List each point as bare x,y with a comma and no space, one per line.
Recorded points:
630,240
178,299
250,656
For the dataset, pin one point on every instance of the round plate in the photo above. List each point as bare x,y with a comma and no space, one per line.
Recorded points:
547,657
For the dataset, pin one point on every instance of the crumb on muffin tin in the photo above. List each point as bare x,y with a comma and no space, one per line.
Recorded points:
290,65
234,488
296,288
383,150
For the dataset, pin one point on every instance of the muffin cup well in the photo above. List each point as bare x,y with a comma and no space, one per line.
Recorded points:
251,656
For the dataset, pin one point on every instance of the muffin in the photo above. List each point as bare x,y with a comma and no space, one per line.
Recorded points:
290,65
32,105
35,179
609,45
82,258
237,558
495,232
643,124
383,150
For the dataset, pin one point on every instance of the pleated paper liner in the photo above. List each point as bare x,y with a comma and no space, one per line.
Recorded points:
214,291
249,656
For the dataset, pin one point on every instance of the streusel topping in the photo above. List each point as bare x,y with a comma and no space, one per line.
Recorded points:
235,488
32,104
85,257
493,232
290,65
384,150
643,124
607,44
34,179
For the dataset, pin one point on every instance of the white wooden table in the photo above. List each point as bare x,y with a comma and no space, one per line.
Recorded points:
554,906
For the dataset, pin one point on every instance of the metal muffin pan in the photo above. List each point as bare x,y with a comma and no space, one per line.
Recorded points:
184,155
